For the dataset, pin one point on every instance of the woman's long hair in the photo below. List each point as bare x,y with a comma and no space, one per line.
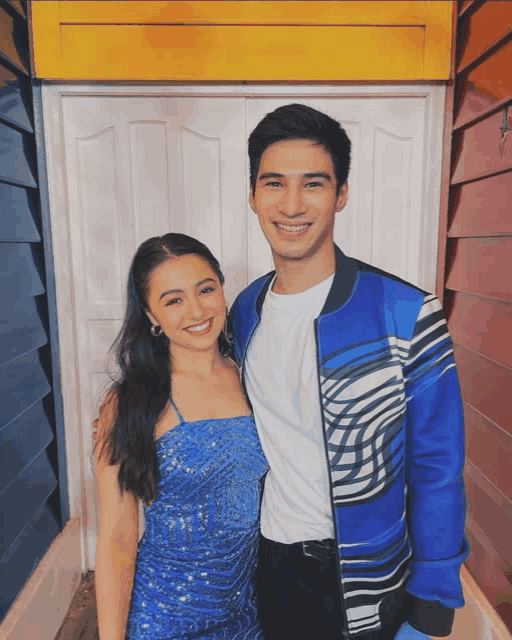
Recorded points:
141,390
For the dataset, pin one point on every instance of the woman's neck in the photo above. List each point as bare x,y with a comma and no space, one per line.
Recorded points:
200,364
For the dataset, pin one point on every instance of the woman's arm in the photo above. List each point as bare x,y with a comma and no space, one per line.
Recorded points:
116,548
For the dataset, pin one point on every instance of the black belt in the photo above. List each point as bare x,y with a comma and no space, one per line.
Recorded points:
321,550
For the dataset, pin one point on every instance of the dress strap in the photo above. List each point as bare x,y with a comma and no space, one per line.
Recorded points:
180,417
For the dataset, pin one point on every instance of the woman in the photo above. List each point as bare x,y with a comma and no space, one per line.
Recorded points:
177,433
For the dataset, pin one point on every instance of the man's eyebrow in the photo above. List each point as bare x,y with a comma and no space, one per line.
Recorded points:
198,284
316,174
266,176
319,174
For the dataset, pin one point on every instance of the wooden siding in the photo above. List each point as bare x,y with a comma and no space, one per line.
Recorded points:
477,286
476,148
485,386
475,322
233,41
482,29
482,204
32,507
480,265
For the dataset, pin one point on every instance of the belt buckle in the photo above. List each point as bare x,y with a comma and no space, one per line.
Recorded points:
316,550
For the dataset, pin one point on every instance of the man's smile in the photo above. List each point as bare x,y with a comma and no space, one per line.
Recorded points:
293,228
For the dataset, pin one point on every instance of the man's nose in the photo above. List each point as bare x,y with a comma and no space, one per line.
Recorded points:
292,203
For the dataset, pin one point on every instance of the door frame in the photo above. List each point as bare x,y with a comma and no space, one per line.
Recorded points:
77,435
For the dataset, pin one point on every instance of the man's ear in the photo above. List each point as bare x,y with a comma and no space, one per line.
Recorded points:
251,199
342,197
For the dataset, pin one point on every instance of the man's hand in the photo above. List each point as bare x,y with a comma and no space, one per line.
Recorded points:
406,632
95,422
95,428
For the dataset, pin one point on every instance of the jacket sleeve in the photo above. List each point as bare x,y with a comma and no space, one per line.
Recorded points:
232,333
434,458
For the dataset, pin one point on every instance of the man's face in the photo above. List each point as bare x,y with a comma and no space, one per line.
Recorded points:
295,199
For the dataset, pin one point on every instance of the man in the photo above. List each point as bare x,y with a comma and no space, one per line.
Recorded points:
351,376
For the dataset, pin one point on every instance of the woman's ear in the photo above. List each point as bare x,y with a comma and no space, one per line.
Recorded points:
152,318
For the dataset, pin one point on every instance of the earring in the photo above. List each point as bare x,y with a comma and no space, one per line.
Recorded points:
156,330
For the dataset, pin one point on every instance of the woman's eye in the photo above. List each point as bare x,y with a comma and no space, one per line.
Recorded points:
172,301
207,289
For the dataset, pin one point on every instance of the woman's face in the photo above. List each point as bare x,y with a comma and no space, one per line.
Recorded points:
186,299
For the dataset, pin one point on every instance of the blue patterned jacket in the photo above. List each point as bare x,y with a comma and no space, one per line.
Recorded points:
393,432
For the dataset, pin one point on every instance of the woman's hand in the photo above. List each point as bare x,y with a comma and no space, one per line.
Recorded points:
406,632
96,421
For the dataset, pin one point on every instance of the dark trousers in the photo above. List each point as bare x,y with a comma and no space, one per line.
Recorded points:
299,595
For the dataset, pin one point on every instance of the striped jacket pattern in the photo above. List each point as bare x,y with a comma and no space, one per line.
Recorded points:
393,434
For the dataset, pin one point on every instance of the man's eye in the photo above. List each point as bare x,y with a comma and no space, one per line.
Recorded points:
273,184
314,184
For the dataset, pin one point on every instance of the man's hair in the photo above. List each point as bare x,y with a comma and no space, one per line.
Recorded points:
300,122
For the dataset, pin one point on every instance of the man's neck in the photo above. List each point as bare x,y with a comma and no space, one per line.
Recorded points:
295,276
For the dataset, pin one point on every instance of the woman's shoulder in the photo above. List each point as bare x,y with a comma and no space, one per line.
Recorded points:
107,412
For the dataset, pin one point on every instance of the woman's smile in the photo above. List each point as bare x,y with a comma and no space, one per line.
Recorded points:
201,329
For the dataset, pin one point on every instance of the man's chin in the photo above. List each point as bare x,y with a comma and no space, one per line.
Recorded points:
292,254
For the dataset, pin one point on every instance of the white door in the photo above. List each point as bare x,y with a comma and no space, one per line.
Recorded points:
127,163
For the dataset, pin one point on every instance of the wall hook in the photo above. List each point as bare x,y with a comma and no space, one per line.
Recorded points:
505,129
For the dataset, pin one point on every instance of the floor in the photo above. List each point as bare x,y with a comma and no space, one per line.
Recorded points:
471,623
81,622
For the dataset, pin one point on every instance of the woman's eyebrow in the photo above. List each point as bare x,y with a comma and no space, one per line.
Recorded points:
198,284
166,293
201,282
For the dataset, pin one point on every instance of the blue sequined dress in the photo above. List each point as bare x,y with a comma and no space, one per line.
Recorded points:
196,561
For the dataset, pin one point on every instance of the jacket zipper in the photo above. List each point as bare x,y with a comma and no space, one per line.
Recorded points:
346,632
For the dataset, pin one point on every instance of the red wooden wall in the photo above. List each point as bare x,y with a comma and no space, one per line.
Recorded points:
478,283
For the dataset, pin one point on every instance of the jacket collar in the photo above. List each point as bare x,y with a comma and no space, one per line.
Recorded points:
345,273
261,295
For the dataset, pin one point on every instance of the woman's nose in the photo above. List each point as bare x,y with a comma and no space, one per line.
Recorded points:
196,307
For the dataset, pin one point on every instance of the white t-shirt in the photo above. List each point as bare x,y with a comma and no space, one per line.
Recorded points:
282,383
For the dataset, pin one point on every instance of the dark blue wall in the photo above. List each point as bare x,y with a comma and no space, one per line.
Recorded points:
33,502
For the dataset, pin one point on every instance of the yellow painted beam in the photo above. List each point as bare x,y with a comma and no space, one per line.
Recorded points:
242,41
438,40
46,50
344,12
243,53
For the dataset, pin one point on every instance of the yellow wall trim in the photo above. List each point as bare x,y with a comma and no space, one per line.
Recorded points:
205,41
